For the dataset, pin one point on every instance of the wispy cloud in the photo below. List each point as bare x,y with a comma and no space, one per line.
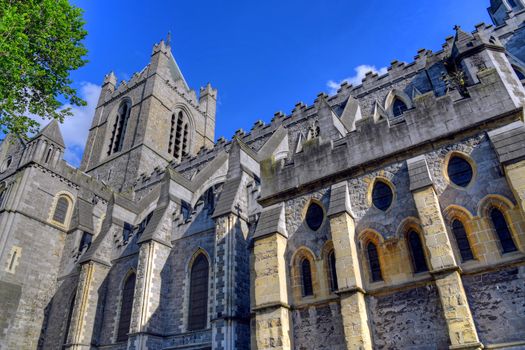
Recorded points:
75,128
360,72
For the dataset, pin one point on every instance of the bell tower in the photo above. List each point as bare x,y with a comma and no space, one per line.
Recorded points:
151,121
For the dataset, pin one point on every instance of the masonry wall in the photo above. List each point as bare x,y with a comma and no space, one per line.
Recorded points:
318,327
497,301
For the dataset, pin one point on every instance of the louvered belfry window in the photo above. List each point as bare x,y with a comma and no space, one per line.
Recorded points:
502,230
373,261
416,251
126,306
198,311
179,136
61,210
306,275
119,128
461,238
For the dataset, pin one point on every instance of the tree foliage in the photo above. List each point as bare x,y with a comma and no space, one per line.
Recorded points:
40,44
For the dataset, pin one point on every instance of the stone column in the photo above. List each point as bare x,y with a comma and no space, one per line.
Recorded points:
152,259
349,281
273,329
92,276
443,267
230,317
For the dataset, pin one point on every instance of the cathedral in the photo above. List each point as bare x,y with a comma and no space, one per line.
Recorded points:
390,215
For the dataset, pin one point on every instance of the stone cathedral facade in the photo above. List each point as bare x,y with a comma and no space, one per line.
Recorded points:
387,216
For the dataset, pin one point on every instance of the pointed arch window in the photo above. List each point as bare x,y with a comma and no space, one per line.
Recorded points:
417,253
373,262
332,272
461,238
503,231
179,136
126,306
119,128
198,311
61,210
399,107
306,277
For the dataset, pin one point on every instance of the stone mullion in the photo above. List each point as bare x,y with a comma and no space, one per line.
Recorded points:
460,324
352,296
273,328
92,275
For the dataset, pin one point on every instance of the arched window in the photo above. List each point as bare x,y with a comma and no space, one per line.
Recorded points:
48,155
520,74
119,128
399,107
332,273
306,277
61,210
69,317
416,251
126,306
461,238
502,230
179,136
373,262
198,311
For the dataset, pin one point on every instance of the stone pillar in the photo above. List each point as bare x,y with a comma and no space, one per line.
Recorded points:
443,267
273,329
92,276
152,259
349,281
231,309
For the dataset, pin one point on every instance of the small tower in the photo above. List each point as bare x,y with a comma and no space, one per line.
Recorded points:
47,147
499,10
150,121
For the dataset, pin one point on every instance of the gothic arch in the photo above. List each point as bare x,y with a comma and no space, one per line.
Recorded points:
121,322
62,195
458,213
193,315
297,259
392,96
367,237
184,133
117,126
494,201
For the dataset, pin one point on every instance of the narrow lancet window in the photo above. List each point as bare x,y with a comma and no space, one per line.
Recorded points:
332,272
126,306
198,310
461,238
306,275
373,261
119,128
416,251
503,231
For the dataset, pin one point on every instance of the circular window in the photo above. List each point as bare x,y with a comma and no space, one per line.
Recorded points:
382,195
459,171
314,216
6,164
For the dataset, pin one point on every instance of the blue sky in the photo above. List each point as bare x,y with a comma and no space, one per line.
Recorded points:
263,56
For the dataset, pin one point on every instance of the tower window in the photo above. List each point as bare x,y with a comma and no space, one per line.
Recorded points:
461,238
502,230
306,276
198,311
119,128
61,210
314,216
179,136
126,306
399,107
332,272
459,171
416,251
373,262
382,195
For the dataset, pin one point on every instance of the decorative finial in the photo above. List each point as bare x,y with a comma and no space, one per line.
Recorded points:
457,27
168,39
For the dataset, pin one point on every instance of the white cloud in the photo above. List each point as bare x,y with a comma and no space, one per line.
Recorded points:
360,72
75,128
